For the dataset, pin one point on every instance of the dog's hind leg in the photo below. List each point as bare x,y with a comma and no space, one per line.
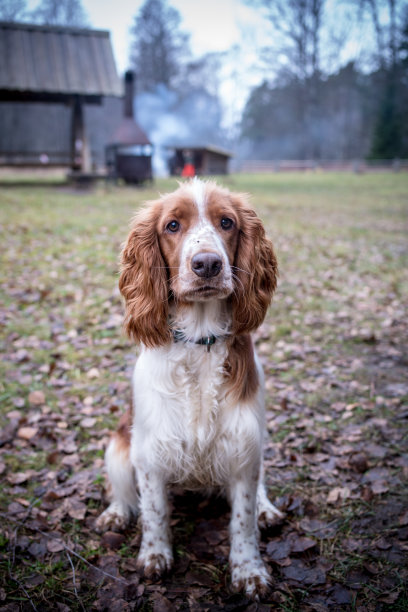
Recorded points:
122,480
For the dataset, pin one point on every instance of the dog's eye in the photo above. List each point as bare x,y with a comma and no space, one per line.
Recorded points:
173,226
226,223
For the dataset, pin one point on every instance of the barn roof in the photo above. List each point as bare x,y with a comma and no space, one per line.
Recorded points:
54,60
201,147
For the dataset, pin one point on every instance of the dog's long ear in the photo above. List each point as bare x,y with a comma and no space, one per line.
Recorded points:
255,268
143,281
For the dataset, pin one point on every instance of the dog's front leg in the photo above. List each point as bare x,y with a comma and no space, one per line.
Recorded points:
155,555
248,572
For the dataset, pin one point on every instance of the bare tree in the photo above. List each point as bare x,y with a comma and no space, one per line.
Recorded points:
60,12
298,25
12,10
387,18
159,47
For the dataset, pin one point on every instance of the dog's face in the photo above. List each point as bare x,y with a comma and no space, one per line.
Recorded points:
200,243
198,235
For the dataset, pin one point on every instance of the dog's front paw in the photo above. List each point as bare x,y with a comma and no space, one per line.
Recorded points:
251,578
154,561
115,517
268,514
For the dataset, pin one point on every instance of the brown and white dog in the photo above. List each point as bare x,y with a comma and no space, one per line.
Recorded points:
198,274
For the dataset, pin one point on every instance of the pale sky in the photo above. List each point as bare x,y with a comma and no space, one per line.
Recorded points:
214,25
218,25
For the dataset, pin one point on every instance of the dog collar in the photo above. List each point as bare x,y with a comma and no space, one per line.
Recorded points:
208,341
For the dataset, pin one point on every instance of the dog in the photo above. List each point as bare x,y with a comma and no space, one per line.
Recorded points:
197,276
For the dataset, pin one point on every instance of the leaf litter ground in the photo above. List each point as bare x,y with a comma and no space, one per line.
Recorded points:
334,349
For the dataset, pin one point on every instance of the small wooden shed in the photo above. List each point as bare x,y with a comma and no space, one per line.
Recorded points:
205,159
57,66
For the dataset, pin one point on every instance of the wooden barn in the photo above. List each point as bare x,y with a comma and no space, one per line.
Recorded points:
60,96
198,159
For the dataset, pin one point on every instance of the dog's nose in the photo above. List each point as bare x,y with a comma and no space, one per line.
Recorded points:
206,265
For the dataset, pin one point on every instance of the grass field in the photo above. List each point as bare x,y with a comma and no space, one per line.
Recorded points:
334,348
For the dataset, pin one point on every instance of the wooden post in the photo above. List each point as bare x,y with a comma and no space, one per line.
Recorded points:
80,157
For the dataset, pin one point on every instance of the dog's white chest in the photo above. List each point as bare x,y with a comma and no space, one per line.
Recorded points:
183,428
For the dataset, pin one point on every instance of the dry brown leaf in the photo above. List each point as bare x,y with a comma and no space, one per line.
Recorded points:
338,494
93,373
55,545
27,433
36,398
75,508
19,477
88,422
112,540
379,487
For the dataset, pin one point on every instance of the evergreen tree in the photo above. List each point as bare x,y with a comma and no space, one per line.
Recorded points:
389,135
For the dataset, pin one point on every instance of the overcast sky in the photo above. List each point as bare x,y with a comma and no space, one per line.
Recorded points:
214,25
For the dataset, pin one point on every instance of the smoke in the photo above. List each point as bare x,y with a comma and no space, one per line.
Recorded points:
172,119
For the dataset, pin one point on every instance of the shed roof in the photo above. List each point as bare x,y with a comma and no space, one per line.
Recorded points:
201,147
56,60
129,133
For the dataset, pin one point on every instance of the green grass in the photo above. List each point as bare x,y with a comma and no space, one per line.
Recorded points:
335,335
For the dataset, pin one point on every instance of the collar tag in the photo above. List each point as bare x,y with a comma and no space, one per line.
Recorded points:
207,341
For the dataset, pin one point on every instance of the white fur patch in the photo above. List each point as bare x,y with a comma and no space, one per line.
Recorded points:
198,189
202,237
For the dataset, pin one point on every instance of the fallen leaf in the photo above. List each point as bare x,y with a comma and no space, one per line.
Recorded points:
18,477
379,487
36,398
278,549
27,433
112,540
341,595
75,508
162,604
319,529
338,494
359,462
300,544
88,422
55,545
93,373
300,572
383,544
14,415
389,598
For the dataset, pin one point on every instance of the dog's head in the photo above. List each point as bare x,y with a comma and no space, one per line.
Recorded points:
199,243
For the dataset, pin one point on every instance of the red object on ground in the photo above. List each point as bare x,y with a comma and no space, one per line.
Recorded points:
188,170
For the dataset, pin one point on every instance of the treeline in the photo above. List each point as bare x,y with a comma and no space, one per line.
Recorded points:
335,78
360,110
354,116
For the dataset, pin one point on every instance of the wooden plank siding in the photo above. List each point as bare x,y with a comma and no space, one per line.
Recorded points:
60,95
30,129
